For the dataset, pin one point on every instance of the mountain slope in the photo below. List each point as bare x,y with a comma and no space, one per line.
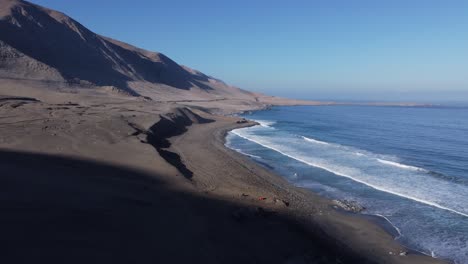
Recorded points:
37,43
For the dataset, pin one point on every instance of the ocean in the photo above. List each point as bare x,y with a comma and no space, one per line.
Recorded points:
406,164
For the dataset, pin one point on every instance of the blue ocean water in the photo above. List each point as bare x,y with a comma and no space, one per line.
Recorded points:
407,164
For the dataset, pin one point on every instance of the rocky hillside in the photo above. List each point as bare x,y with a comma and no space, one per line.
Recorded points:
41,44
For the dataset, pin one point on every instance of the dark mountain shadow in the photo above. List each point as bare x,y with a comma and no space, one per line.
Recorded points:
202,85
159,133
166,71
75,54
81,55
63,210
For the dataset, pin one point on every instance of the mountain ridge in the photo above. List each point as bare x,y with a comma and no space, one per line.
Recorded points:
65,50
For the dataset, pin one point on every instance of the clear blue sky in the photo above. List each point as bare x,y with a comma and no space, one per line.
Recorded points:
371,50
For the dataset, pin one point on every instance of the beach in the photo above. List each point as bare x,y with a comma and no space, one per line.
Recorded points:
127,181
114,153
345,231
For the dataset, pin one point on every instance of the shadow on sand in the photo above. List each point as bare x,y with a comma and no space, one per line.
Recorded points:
63,210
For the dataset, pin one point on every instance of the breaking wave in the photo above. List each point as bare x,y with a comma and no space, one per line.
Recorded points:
367,168
402,166
315,141
265,123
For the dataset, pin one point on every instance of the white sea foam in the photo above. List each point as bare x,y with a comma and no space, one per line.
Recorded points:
394,226
265,123
315,141
246,154
399,165
397,179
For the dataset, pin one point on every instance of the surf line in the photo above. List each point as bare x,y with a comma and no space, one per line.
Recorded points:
350,177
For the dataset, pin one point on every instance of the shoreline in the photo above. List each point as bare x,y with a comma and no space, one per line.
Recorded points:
383,222
164,178
379,220
414,238
408,255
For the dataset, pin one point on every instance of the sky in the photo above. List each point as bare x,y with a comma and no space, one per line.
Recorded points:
322,49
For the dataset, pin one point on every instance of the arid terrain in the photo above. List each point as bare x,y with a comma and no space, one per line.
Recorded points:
114,154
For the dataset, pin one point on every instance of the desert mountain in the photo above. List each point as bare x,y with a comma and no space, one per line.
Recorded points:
40,44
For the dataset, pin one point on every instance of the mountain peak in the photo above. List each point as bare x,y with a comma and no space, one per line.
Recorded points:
37,41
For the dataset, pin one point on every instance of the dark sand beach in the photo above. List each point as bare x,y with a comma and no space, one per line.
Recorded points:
156,184
114,154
